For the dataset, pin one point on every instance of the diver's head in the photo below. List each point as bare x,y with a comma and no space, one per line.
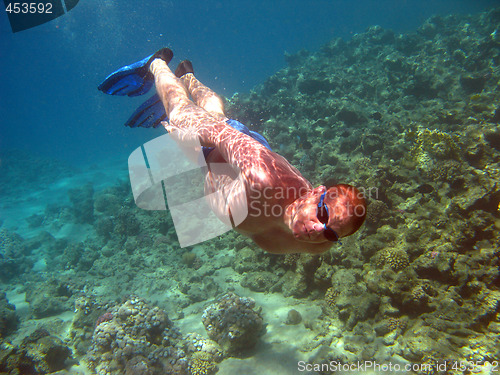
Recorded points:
342,209
328,214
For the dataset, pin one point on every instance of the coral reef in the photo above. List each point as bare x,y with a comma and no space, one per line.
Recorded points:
88,313
259,281
233,323
9,320
48,298
14,259
39,353
134,338
196,343
430,147
82,200
202,363
396,258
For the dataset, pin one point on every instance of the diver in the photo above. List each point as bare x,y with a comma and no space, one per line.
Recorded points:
285,213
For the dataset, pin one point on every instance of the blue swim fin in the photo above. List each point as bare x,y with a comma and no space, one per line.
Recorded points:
134,79
149,115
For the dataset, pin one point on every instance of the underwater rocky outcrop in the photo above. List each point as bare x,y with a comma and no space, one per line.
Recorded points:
38,354
134,338
48,298
233,323
14,255
9,321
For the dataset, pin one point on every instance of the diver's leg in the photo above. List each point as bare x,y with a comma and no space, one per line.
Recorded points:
190,121
203,96
169,88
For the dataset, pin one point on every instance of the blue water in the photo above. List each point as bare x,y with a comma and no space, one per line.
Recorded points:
49,101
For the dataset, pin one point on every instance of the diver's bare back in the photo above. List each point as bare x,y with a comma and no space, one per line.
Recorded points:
267,181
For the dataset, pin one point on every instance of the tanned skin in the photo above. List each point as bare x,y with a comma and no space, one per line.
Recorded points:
282,205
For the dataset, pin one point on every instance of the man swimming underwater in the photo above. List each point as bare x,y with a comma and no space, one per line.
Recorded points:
285,213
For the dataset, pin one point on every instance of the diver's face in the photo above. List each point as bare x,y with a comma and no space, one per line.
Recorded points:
315,220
